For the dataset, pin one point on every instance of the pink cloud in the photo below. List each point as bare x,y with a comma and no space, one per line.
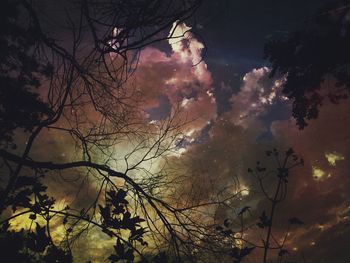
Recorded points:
257,92
181,76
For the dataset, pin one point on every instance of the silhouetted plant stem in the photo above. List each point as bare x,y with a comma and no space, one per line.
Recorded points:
269,230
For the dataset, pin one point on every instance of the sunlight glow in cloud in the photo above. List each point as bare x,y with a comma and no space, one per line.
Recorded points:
189,49
176,79
257,92
333,158
318,174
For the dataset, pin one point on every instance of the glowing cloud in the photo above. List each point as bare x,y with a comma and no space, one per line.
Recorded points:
189,49
318,173
333,158
179,79
257,92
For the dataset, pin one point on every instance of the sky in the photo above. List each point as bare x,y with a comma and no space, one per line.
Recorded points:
218,79
242,113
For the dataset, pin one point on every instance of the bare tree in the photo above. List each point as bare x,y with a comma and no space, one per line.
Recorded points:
75,87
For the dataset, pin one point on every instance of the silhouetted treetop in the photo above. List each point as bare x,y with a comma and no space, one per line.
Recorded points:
314,60
21,73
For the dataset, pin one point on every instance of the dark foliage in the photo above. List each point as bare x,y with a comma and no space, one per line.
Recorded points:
32,247
116,217
37,246
311,58
20,74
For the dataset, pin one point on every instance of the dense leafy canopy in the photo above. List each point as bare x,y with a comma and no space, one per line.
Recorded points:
21,73
315,61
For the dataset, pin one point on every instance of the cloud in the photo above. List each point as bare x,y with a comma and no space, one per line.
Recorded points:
181,76
256,94
317,192
189,49
210,167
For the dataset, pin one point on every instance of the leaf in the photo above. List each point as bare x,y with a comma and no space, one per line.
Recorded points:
119,209
129,255
264,221
127,216
119,248
105,213
36,208
137,233
117,198
121,195
136,220
39,188
39,240
23,181
113,258
32,216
